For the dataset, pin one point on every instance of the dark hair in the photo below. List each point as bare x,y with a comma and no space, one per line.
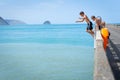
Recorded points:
81,12
92,16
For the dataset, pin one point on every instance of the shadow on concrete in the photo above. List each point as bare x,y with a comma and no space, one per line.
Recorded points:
113,54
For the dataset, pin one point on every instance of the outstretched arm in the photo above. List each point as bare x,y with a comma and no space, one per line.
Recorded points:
81,20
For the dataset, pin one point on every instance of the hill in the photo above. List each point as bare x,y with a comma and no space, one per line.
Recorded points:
3,22
14,22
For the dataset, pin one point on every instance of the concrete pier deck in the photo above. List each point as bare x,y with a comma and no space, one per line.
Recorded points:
102,69
113,50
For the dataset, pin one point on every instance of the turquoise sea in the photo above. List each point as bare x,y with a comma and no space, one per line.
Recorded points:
46,52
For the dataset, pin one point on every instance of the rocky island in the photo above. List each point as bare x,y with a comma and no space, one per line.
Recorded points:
47,22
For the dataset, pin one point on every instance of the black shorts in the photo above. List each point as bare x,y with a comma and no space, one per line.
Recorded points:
100,27
89,26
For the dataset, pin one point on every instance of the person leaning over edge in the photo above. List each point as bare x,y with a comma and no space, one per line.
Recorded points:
98,22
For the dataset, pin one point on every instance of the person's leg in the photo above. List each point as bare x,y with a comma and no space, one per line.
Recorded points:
91,32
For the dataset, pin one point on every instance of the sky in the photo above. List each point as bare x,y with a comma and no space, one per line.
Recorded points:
59,11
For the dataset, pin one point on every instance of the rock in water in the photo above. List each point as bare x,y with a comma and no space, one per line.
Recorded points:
47,22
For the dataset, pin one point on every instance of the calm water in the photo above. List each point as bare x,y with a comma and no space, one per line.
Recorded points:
46,52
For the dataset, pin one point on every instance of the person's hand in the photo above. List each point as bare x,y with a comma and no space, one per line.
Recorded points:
77,21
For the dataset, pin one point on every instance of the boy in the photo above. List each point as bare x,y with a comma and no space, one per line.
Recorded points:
89,23
98,23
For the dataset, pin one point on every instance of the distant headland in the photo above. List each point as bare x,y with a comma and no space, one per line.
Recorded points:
16,22
3,22
10,22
